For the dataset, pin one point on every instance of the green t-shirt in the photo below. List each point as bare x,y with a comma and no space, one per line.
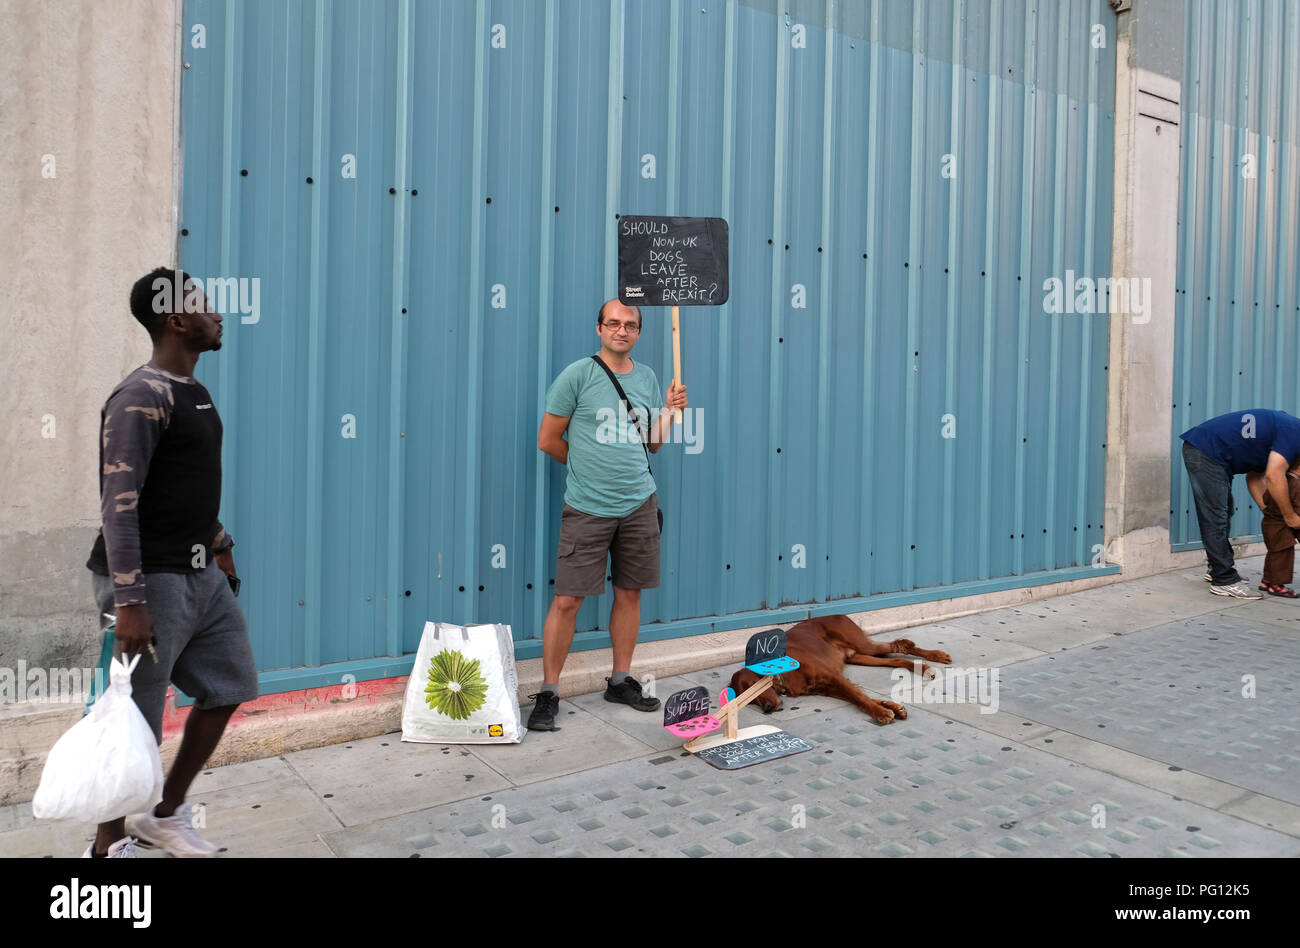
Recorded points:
608,474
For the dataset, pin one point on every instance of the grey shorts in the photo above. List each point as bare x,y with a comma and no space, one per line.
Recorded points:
203,645
586,541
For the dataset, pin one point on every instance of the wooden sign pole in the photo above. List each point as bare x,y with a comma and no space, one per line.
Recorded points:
677,361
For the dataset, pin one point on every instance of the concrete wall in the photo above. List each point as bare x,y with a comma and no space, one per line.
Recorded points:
91,86
1157,29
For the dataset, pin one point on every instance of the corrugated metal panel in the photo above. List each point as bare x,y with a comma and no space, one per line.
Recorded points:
1238,295
480,167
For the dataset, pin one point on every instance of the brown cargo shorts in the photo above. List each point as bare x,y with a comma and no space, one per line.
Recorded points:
631,542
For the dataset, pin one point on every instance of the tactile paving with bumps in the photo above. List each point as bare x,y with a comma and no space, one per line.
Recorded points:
1175,694
927,786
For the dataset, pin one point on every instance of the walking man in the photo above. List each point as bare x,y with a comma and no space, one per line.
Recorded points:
162,561
1240,442
610,503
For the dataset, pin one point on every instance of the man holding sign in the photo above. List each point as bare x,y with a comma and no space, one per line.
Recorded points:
610,502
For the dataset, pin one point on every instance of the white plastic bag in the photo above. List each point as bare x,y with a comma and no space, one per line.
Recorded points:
107,765
463,688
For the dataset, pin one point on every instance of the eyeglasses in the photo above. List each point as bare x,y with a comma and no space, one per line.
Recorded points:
632,328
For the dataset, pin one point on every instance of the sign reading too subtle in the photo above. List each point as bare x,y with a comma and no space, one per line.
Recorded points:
686,713
684,705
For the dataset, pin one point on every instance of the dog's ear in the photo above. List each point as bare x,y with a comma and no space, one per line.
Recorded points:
741,680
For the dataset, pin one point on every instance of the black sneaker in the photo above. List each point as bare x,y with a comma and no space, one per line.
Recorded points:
543,716
629,692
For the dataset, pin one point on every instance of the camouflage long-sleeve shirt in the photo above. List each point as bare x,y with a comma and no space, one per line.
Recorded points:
159,481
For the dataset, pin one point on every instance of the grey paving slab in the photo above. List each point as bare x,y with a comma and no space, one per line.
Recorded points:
1156,774
1175,694
997,722
1127,607
1031,624
582,739
1191,583
1242,617
1057,636
22,836
985,647
278,816
645,726
259,808
315,849
1049,628
1180,581
1277,613
921,787
370,779
1077,618
1266,811
234,775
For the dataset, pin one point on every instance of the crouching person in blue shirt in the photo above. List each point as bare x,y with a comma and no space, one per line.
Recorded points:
1240,442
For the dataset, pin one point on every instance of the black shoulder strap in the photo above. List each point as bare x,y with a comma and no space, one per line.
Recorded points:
631,412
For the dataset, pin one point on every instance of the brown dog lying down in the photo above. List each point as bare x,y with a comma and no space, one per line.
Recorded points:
822,647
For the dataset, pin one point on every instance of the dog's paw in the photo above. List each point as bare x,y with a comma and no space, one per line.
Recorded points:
943,658
928,673
881,714
900,712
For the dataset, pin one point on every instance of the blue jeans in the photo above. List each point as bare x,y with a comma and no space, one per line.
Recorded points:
1212,489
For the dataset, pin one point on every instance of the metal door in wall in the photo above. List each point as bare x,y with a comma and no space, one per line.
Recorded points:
427,194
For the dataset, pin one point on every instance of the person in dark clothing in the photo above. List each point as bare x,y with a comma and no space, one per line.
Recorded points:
162,561
1257,440
1280,539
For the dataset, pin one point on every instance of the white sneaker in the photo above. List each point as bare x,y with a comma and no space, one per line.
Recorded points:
124,848
1209,578
174,833
1236,591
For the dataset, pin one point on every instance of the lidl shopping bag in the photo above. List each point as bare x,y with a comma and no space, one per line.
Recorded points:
463,688
106,766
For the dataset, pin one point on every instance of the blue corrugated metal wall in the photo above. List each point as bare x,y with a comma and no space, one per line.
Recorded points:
1238,290
479,166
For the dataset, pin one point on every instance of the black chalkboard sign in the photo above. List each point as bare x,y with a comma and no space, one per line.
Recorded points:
765,653
754,750
684,705
765,645
672,261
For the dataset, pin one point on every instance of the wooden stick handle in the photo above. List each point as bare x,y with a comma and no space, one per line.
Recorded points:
677,360
746,696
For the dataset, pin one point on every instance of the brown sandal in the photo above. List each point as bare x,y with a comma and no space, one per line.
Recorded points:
1277,589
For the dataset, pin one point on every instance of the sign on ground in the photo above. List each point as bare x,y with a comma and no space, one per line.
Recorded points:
754,750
